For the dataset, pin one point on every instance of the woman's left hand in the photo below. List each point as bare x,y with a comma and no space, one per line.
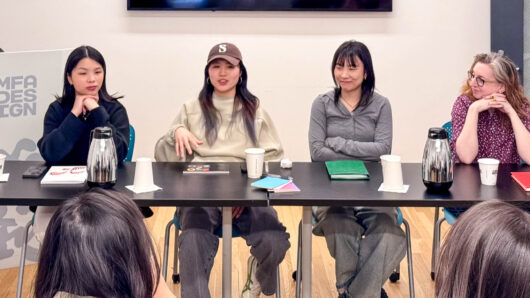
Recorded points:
498,101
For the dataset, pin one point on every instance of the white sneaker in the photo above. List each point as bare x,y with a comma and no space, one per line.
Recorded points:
252,289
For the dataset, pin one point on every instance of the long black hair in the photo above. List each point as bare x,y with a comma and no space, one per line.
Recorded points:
249,105
349,50
96,244
78,54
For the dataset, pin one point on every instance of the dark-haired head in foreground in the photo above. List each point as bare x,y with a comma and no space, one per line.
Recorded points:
486,254
97,245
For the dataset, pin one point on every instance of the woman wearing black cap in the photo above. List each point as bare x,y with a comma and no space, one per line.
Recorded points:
218,127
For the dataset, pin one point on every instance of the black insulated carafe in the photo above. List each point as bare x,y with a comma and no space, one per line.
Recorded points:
437,164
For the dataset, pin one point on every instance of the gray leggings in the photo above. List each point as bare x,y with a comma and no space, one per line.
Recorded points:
259,226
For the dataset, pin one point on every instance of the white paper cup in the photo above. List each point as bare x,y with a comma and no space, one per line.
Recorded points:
2,163
488,170
254,158
392,175
143,175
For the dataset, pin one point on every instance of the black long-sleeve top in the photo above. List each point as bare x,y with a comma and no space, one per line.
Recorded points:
66,138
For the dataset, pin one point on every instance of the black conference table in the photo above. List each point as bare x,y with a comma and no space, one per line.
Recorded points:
234,189
179,189
318,190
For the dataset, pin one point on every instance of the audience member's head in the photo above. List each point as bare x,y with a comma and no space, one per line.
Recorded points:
486,254
97,245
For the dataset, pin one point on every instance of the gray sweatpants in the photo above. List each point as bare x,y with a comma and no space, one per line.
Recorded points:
259,226
367,245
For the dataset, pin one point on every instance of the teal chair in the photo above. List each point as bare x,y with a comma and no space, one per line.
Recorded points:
130,151
394,277
218,232
450,218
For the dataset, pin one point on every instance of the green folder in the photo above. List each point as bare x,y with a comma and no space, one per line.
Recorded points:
347,170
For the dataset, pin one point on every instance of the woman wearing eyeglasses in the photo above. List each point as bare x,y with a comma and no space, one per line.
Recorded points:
492,116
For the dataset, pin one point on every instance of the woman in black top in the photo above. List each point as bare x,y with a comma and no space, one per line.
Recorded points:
84,105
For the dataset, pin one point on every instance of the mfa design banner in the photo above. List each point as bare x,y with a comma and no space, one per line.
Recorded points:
28,83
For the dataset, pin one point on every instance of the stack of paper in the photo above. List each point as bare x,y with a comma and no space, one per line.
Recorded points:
275,184
289,187
65,175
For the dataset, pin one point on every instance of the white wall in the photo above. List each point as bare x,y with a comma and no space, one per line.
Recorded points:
421,53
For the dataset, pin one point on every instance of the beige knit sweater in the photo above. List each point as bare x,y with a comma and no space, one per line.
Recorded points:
232,138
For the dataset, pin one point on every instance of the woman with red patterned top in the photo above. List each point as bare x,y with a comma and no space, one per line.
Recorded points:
492,116
491,119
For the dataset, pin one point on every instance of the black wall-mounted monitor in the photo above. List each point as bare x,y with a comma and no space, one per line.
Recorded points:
262,5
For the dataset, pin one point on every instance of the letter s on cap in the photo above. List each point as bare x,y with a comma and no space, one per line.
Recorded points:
222,48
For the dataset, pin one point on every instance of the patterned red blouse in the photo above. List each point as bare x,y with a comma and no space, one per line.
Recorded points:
495,140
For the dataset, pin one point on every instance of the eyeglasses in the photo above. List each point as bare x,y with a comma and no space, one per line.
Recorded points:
480,81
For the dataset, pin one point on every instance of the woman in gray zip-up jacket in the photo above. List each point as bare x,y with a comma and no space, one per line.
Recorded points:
353,122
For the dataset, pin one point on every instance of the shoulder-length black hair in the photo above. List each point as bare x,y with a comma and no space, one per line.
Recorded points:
68,96
249,105
349,50
96,244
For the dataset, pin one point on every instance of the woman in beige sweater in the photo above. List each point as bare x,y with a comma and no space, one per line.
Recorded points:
219,126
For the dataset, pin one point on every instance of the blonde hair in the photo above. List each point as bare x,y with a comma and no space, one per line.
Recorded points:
505,72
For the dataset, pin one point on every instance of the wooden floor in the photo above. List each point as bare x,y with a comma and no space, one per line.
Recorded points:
420,220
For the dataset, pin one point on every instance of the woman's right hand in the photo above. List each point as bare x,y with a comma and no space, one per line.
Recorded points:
481,105
183,138
489,102
77,109
79,104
